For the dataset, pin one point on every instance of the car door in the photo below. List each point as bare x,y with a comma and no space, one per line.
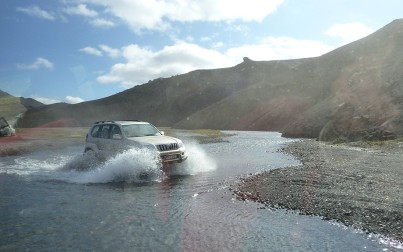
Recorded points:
104,140
116,138
93,138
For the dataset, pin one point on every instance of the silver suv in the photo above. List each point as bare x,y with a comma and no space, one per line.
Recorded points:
111,137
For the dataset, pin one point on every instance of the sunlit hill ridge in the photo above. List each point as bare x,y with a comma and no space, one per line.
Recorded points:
354,92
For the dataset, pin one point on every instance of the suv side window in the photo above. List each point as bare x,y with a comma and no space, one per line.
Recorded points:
105,131
96,131
115,130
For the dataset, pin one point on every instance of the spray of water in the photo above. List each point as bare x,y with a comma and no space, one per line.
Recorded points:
198,161
131,166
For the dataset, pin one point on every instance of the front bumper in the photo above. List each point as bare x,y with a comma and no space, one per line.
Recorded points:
173,156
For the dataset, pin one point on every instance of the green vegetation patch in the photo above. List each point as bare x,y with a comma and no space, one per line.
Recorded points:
208,132
10,107
386,144
205,136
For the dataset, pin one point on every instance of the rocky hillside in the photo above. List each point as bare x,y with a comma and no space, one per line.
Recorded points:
353,92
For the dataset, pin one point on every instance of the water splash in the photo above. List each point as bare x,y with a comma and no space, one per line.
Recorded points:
198,161
131,166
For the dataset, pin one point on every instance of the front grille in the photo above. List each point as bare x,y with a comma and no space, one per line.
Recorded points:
167,147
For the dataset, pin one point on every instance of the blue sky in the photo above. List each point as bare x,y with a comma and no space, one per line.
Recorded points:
81,50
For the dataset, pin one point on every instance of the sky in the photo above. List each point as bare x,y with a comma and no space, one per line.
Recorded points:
81,50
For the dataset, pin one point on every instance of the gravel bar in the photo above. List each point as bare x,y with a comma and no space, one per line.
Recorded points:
359,185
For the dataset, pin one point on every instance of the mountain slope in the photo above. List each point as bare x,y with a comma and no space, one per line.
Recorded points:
347,93
12,107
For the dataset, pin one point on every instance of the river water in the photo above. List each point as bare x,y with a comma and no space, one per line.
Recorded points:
64,201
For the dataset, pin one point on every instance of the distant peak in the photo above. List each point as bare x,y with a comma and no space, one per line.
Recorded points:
395,24
246,60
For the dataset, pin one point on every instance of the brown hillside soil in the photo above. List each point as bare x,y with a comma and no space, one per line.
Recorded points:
360,186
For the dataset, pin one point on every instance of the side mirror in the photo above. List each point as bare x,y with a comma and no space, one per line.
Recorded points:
162,133
117,136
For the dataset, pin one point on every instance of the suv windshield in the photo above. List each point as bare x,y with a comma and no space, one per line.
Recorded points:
140,130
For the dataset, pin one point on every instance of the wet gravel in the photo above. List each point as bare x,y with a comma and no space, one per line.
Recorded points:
359,185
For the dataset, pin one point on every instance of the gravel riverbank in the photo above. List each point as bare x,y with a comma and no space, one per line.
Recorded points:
360,186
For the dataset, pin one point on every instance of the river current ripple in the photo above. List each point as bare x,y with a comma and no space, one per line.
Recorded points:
63,201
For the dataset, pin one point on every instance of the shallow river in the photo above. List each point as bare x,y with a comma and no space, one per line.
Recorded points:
62,201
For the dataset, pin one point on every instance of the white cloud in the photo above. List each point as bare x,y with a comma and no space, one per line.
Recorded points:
73,100
102,23
67,99
91,15
143,64
158,14
81,10
280,48
45,100
113,77
35,11
238,28
220,10
138,14
112,52
91,51
349,32
38,63
218,44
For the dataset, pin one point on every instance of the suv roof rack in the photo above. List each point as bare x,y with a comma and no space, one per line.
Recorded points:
109,121
98,122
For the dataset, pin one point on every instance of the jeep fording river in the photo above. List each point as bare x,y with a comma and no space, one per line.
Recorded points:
111,137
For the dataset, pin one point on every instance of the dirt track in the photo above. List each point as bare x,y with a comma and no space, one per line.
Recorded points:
358,186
